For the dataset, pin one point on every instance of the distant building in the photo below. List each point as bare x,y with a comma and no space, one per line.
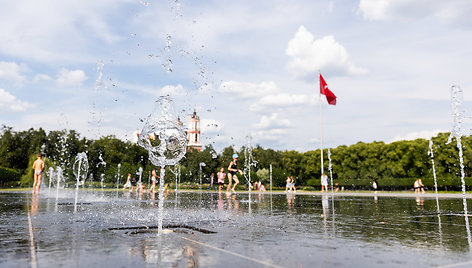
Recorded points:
193,133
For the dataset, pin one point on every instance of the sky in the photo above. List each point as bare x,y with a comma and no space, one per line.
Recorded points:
248,68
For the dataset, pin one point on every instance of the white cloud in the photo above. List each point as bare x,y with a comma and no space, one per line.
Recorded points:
40,77
272,121
454,12
269,135
425,134
10,103
11,71
308,55
41,30
70,78
248,90
283,100
171,90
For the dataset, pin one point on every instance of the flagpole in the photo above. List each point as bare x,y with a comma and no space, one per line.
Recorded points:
321,131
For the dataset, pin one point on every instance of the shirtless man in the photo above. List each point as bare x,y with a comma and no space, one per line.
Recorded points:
38,167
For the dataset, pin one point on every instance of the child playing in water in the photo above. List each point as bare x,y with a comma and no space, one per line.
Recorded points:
221,178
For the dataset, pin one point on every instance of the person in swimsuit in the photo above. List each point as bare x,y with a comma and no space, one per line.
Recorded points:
232,170
154,181
221,178
38,167
134,183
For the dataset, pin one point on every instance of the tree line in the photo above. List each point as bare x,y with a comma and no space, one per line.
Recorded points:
394,165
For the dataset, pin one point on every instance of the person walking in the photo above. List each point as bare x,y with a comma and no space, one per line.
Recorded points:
211,182
38,167
232,170
292,185
419,186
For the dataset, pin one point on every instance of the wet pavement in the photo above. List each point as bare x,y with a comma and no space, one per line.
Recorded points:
108,229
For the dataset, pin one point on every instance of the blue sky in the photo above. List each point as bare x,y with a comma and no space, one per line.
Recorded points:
246,67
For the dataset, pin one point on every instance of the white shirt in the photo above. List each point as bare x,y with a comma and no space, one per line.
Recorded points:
324,179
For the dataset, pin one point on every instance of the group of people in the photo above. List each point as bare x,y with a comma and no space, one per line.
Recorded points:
233,170
133,184
290,185
418,186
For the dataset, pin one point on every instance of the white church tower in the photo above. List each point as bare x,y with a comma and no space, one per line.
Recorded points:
193,133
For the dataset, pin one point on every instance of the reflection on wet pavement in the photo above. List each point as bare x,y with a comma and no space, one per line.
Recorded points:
215,229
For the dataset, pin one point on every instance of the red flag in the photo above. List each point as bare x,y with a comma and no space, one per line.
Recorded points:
330,97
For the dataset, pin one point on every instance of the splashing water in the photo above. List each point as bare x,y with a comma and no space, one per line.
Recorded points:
166,142
162,136
99,82
140,174
330,169
118,178
458,117
50,176
59,179
80,168
176,9
167,49
102,162
102,179
248,163
431,153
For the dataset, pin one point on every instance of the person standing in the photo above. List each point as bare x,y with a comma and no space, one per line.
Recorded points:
134,184
38,167
211,182
375,185
324,182
288,184
232,170
292,185
221,178
128,182
154,181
